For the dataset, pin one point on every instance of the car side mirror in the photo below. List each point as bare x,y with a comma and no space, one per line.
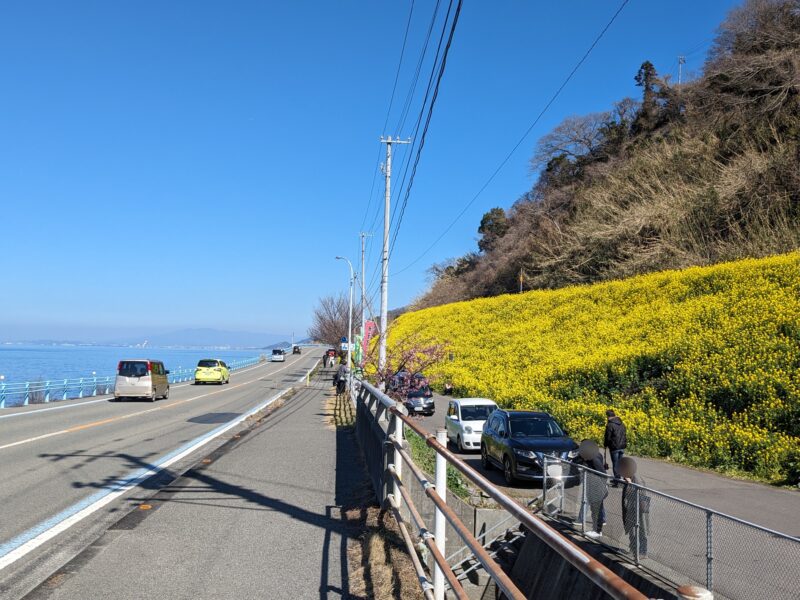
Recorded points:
166,372
503,434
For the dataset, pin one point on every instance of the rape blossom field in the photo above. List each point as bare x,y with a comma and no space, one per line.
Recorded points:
702,364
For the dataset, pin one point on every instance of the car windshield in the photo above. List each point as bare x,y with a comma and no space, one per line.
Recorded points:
133,368
207,363
476,412
276,352
527,427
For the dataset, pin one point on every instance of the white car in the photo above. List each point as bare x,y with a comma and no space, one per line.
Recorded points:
464,421
278,355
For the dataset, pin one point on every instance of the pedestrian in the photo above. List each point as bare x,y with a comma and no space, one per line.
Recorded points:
589,455
615,440
341,379
635,522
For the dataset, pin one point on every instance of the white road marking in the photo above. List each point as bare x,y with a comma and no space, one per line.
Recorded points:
21,545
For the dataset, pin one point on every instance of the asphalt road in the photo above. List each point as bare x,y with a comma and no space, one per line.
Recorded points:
260,520
770,507
54,458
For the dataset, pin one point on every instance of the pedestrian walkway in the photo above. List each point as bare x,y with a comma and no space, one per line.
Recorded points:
260,520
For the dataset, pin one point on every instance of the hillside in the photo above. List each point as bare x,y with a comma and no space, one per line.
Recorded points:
686,175
703,364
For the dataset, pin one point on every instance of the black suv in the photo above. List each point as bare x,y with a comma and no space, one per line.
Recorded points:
517,440
295,349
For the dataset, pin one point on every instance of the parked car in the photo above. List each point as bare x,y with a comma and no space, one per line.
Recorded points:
464,421
211,370
413,391
296,350
516,441
278,355
141,378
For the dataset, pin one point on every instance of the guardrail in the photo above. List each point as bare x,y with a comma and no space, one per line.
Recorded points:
41,392
380,424
667,535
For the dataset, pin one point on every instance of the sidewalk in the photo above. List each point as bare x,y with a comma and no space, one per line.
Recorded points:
260,520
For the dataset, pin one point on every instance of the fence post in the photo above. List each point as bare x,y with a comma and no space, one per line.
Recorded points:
440,523
27,393
47,391
637,525
80,383
397,430
709,551
2,395
64,397
544,484
583,500
94,385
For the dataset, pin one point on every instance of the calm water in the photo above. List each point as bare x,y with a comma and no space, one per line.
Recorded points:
43,363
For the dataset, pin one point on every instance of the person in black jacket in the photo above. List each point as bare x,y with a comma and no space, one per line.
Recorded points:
596,487
615,439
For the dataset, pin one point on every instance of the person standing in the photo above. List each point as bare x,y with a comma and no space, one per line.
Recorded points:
596,488
635,507
615,440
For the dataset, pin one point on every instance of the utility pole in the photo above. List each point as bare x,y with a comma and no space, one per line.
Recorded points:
364,237
681,62
387,171
349,324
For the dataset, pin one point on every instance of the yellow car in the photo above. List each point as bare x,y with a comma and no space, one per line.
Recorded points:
211,370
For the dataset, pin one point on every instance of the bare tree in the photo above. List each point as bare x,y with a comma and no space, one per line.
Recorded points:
575,137
330,319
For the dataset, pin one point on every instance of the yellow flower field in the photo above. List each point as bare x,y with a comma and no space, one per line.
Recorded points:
702,364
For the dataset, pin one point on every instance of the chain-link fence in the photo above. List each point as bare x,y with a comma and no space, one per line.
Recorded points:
674,538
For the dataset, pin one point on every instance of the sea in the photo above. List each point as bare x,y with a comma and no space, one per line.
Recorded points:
21,363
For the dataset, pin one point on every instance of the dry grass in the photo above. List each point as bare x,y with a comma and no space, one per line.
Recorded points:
380,568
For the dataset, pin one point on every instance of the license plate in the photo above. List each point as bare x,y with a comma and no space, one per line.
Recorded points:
418,408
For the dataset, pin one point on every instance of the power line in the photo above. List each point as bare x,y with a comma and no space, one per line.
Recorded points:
389,110
412,88
522,139
435,95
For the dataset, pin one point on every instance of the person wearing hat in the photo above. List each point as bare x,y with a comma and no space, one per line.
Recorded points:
615,440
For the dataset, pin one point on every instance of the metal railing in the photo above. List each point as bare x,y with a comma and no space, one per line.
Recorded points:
45,391
667,535
380,423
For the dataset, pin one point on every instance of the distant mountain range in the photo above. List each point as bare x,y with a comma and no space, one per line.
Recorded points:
205,337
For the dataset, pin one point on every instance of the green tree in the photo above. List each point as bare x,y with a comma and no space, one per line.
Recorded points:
494,225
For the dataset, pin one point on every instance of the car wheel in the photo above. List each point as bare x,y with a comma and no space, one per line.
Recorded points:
459,445
508,471
166,396
153,396
485,462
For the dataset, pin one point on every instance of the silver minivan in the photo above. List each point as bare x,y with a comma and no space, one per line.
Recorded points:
141,378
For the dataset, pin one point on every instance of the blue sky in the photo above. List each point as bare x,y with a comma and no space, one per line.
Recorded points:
182,164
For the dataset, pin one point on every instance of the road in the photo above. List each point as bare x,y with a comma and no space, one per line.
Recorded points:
59,460
260,519
763,505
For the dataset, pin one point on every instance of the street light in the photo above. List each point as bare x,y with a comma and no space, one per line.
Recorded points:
349,323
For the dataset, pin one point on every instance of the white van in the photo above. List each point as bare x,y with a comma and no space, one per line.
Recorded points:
141,378
278,355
